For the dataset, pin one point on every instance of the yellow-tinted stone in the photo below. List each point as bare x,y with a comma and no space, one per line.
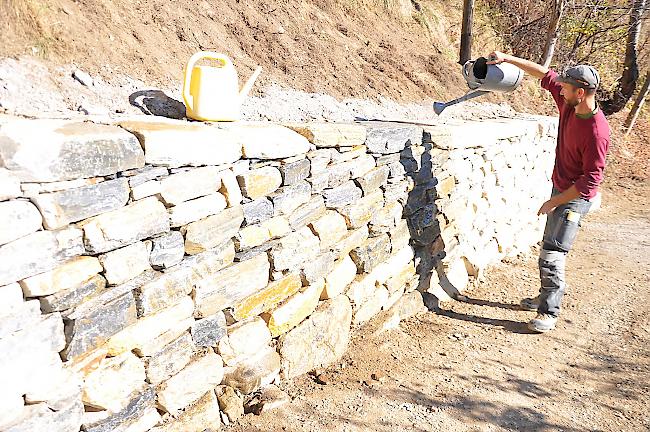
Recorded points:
277,226
331,134
330,228
67,276
263,301
146,329
399,280
445,186
253,235
294,310
260,182
341,276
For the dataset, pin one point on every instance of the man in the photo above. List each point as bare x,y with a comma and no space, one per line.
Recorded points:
582,143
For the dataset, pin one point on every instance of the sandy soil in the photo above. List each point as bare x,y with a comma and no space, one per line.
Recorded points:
473,366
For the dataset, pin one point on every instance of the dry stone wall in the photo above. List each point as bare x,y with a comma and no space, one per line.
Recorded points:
153,273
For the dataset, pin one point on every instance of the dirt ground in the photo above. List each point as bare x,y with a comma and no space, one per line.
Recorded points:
473,366
405,50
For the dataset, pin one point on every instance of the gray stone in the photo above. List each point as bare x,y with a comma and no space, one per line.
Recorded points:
167,250
319,182
74,149
40,417
339,174
424,225
318,341
288,198
38,253
140,403
67,299
170,360
258,211
387,159
230,285
206,332
295,171
341,196
295,249
307,213
213,231
17,219
143,175
371,253
92,330
93,304
345,154
253,252
397,170
137,221
72,205
24,316
384,137
373,179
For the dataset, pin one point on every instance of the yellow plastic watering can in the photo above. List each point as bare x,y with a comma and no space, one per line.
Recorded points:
211,93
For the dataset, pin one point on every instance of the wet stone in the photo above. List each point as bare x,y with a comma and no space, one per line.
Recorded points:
258,211
167,250
90,331
343,195
72,205
207,332
70,298
371,253
170,360
295,171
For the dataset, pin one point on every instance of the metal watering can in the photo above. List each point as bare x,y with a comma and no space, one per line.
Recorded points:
483,78
211,93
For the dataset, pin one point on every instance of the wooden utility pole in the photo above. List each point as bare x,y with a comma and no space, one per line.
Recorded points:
638,103
466,32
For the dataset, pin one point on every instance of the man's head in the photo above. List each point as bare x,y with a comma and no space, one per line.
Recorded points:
578,83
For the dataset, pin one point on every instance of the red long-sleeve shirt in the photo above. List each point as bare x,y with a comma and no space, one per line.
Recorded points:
582,145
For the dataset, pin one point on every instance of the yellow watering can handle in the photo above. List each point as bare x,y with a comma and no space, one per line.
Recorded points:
224,59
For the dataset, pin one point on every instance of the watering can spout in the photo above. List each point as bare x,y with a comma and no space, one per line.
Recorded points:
249,84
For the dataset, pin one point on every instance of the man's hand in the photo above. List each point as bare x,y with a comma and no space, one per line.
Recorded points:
497,57
546,208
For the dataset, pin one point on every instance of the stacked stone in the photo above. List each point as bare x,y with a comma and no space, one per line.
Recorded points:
154,273
490,178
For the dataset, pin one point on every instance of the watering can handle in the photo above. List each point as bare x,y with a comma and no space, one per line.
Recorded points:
224,59
467,64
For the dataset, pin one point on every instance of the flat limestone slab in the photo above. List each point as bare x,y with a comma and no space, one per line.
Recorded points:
38,252
55,150
176,144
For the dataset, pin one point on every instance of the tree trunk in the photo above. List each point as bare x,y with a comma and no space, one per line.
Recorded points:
551,33
636,108
466,32
627,83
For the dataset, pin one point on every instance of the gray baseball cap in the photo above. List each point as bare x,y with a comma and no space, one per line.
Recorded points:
583,76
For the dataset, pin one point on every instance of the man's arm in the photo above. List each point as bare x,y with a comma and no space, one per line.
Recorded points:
559,199
531,68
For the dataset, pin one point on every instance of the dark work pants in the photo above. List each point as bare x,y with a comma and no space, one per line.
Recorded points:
561,229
